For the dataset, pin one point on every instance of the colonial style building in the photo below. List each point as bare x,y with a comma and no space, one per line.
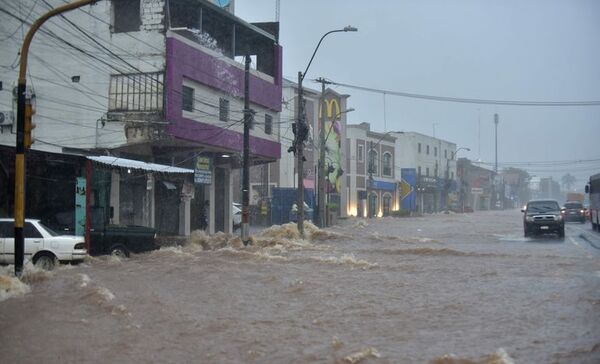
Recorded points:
435,163
371,172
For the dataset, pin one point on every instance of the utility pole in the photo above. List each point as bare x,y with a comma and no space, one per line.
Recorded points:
494,192
246,158
321,164
370,182
496,121
24,126
301,133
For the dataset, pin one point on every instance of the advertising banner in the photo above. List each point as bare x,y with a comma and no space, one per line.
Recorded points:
203,171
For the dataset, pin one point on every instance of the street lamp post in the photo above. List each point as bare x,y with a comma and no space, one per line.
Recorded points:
24,126
301,130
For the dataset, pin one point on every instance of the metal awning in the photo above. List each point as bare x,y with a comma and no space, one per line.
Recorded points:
133,164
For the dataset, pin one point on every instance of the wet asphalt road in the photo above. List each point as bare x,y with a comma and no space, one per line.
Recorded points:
434,289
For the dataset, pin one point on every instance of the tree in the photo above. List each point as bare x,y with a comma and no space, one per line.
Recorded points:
568,180
518,180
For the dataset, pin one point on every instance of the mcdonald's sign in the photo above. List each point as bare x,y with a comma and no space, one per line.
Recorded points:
332,104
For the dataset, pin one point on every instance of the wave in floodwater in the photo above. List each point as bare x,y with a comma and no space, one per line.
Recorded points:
11,286
278,243
361,355
346,260
431,252
409,240
99,296
283,236
499,357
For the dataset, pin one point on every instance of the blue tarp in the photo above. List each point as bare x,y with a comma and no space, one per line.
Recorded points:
281,204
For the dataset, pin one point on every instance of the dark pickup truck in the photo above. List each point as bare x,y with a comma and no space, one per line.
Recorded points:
108,238
121,240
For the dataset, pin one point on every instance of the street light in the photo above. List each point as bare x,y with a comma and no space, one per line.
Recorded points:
23,135
333,122
459,149
301,132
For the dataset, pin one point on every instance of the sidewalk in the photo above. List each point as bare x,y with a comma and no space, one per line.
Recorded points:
592,237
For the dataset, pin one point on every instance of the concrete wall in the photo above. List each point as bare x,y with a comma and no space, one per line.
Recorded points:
213,75
408,156
68,113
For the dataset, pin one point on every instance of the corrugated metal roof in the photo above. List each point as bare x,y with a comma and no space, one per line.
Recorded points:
133,164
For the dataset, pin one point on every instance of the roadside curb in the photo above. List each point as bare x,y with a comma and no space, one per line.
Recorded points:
590,240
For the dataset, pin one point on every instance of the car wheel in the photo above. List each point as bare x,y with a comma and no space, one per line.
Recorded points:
561,233
119,251
45,261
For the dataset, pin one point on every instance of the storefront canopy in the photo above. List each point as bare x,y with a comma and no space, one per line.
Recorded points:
139,165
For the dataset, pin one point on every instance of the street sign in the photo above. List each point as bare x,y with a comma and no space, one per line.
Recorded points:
405,189
203,171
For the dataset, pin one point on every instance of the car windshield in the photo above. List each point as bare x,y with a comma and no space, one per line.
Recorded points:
542,206
49,230
573,205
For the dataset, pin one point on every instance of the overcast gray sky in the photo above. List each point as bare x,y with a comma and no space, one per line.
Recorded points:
540,50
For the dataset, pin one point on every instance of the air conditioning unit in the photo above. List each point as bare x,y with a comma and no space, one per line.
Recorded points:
6,118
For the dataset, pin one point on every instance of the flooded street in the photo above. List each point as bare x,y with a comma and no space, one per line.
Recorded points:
436,289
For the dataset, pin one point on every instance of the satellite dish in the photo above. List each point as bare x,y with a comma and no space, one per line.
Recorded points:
222,3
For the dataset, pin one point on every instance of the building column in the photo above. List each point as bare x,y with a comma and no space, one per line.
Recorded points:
211,203
149,201
115,185
185,215
229,201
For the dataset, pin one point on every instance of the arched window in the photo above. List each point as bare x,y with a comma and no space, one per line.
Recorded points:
372,209
387,164
373,161
387,204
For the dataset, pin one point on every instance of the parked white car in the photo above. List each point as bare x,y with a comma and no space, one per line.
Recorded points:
43,246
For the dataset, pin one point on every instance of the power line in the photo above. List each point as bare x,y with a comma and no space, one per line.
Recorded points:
469,100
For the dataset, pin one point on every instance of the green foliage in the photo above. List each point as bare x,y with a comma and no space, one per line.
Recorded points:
333,206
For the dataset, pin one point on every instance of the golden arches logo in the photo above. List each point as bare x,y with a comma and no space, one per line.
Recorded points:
331,104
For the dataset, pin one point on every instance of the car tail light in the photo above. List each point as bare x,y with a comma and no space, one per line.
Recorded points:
80,246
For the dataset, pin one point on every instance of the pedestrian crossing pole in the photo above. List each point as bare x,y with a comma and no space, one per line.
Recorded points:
24,128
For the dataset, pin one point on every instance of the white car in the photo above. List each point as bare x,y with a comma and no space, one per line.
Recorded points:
43,246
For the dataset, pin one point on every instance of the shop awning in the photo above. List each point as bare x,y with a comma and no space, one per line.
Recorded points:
138,165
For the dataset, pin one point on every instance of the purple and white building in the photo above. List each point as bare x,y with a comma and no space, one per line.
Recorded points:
158,81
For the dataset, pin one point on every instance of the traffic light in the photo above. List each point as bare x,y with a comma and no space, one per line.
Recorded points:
29,126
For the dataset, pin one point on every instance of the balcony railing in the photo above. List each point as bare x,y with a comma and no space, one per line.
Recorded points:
136,92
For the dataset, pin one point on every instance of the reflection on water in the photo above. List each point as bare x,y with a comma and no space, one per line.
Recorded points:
439,289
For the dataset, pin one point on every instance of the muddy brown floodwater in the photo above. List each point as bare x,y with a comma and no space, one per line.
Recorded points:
438,289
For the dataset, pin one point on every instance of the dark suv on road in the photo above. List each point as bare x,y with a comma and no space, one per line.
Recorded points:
543,217
574,211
